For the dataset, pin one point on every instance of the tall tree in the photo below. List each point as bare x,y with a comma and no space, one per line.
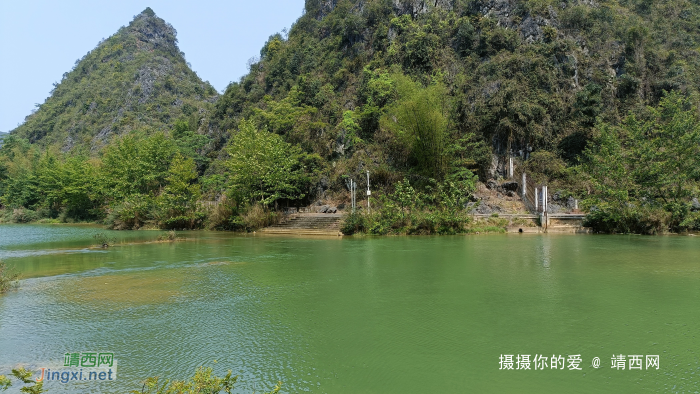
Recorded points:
263,167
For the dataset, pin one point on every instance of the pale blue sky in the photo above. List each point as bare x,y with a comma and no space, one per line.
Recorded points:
41,40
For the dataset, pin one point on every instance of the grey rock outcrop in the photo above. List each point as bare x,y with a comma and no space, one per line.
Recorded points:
509,186
401,7
416,7
695,205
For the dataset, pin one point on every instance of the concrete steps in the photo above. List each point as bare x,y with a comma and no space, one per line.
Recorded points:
567,223
307,224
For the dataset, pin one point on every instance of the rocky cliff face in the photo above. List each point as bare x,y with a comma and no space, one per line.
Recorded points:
508,13
152,33
401,7
416,7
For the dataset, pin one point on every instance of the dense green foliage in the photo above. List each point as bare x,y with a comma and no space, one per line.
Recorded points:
403,89
423,93
438,210
138,180
264,167
646,170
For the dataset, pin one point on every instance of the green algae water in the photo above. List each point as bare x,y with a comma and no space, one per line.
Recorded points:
357,315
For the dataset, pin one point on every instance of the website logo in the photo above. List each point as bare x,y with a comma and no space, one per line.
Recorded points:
81,367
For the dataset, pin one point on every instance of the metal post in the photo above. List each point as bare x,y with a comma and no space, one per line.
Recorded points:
545,195
510,167
536,200
352,195
545,215
524,186
369,193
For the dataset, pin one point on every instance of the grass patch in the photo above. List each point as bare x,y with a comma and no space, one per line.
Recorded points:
9,278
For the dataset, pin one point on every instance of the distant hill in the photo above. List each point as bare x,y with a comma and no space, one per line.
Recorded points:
135,79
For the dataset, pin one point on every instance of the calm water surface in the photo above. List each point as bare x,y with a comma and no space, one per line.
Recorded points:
357,315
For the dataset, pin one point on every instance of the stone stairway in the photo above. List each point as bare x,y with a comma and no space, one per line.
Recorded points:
307,224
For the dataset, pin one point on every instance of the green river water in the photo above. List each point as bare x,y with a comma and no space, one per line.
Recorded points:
357,315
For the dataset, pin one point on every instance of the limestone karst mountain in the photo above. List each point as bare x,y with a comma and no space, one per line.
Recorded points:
417,92
135,79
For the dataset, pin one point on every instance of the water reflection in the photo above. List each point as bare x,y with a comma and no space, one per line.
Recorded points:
399,314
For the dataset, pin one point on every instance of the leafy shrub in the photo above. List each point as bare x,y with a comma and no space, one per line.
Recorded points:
169,236
24,377
437,210
23,215
203,381
131,214
219,217
184,222
613,218
546,166
353,223
257,217
691,221
8,278
103,240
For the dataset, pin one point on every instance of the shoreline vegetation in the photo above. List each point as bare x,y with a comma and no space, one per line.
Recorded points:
383,222
9,278
423,104
203,381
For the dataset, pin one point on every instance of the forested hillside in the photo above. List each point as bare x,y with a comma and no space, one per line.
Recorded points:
135,79
427,96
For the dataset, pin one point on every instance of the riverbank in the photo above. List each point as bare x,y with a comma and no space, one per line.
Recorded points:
383,222
427,224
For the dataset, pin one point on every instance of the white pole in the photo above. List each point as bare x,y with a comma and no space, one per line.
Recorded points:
536,200
545,195
510,168
544,199
524,185
369,193
352,194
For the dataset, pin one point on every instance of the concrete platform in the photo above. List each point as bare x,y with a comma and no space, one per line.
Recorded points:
324,224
